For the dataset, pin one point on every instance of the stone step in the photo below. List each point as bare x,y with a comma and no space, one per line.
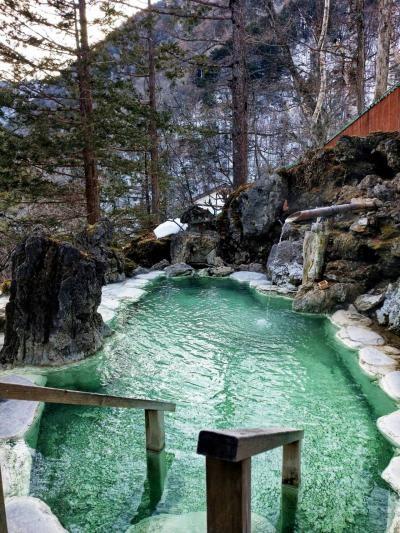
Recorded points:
389,426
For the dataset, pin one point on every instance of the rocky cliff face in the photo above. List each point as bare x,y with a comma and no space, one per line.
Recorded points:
249,223
52,313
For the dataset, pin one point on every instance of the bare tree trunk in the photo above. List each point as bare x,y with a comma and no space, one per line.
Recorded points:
154,156
322,64
383,47
239,89
92,189
360,56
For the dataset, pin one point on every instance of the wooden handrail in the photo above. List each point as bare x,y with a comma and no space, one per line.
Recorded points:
154,414
228,471
14,391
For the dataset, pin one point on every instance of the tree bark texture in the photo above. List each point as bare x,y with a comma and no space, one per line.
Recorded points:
383,47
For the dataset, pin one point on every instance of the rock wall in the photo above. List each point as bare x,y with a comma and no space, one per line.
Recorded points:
52,316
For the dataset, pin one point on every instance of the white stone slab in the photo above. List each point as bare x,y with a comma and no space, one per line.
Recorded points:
375,363
358,337
106,314
343,318
16,417
246,277
260,285
30,515
16,465
151,275
391,474
136,282
390,383
389,426
1,340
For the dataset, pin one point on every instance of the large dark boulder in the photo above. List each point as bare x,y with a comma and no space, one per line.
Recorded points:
311,299
285,263
98,241
198,219
249,222
147,250
52,316
194,247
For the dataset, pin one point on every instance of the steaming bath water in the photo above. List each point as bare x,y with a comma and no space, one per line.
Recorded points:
229,358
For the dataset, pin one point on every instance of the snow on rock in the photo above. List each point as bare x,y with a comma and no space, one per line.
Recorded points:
16,465
390,383
391,474
1,340
375,363
351,317
169,227
30,515
16,417
358,337
246,277
389,426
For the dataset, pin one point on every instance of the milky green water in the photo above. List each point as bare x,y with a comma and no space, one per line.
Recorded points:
229,358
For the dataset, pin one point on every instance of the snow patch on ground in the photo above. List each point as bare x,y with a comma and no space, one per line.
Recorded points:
129,290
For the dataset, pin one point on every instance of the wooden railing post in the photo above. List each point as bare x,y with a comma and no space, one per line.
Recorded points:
228,468
155,431
291,464
228,496
3,517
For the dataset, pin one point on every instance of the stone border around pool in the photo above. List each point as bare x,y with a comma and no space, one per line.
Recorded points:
377,360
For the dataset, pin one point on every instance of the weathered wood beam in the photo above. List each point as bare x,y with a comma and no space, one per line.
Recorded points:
155,431
3,518
12,391
239,444
228,496
291,464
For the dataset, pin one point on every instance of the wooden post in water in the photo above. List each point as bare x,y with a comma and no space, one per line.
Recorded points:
228,496
291,464
155,431
3,518
228,466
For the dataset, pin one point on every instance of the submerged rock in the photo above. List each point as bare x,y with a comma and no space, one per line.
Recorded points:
179,269
26,514
52,315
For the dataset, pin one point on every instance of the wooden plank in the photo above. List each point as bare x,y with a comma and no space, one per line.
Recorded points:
12,391
228,496
3,518
155,431
240,444
291,464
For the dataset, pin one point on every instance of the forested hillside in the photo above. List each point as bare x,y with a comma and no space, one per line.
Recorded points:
176,99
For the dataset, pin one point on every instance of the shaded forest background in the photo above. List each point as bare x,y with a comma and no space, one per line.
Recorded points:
180,98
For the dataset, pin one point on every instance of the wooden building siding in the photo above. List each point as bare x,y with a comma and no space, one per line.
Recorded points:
382,116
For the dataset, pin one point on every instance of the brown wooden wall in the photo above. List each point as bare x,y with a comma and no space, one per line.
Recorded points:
383,116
